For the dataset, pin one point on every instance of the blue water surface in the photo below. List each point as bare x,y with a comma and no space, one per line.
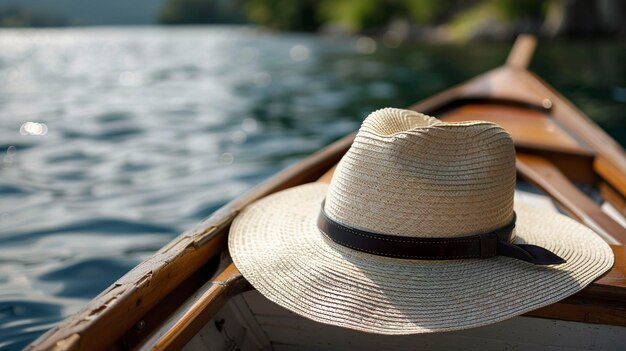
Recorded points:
114,140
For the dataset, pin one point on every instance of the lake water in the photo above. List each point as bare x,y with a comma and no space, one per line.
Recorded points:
137,134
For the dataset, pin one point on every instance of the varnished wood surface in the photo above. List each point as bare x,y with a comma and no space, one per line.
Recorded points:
531,129
191,316
611,160
603,301
549,178
611,195
153,319
522,52
612,173
534,132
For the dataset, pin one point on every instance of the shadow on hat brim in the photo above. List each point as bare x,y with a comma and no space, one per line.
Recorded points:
277,247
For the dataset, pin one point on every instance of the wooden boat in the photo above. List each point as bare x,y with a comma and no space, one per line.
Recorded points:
189,294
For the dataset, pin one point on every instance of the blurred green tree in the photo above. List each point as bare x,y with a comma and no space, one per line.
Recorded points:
462,18
299,15
513,10
427,11
201,11
358,14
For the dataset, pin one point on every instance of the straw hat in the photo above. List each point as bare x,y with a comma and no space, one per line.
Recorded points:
414,234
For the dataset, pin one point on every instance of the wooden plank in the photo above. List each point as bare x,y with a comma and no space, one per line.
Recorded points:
611,156
254,333
611,287
519,333
582,313
611,173
529,128
293,332
533,131
328,175
611,195
191,316
230,330
153,319
548,178
522,52
499,85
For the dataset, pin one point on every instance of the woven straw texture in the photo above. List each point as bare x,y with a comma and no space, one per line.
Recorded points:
393,181
408,174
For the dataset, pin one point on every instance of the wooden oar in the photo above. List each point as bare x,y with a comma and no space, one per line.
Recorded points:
545,175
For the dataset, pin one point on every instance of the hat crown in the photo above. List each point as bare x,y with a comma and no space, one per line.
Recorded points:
408,174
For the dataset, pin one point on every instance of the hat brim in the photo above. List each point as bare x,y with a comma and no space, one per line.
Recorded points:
277,247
